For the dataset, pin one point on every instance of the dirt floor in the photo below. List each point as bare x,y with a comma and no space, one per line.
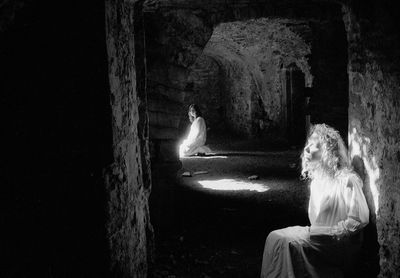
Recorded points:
221,218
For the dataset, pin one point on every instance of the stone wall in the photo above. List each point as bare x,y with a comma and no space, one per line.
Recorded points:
374,118
128,180
239,88
174,40
229,92
205,88
245,92
329,66
226,86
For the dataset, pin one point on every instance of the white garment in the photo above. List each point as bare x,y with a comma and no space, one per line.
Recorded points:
196,139
337,211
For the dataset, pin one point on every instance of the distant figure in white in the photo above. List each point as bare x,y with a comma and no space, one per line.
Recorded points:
195,142
337,211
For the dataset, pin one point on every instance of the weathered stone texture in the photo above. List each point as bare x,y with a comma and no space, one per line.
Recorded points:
374,120
174,40
205,89
265,47
129,228
239,88
238,75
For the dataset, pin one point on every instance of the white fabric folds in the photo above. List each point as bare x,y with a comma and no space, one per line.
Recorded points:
337,211
196,139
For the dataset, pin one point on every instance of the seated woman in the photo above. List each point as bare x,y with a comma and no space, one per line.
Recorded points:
337,212
194,143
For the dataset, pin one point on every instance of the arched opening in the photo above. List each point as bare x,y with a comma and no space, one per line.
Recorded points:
240,81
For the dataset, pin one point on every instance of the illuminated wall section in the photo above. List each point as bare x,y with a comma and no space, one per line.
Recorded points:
374,124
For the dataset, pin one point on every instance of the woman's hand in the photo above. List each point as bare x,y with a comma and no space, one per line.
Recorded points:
321,233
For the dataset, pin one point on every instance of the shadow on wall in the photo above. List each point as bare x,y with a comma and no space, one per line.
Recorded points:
364,163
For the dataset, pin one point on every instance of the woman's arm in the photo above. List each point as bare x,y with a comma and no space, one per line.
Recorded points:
358,212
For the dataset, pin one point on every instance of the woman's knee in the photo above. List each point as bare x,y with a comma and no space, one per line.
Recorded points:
277,236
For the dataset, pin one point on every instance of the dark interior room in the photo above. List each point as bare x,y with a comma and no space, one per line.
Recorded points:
98,178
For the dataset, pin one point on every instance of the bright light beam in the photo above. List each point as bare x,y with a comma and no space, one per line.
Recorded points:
233,185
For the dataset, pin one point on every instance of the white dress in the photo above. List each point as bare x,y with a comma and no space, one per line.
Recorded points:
337,211
196,139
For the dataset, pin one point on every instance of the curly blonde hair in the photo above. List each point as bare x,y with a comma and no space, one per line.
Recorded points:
334,156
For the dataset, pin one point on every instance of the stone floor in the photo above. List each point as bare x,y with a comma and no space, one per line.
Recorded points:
221,218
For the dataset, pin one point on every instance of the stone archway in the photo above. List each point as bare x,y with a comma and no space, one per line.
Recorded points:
239,72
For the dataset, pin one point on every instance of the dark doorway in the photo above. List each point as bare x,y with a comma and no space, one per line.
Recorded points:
296,119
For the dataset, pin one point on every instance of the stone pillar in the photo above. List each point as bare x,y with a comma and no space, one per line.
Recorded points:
128,179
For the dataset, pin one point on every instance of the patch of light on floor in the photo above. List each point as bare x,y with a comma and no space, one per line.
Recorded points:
205,157
233,185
